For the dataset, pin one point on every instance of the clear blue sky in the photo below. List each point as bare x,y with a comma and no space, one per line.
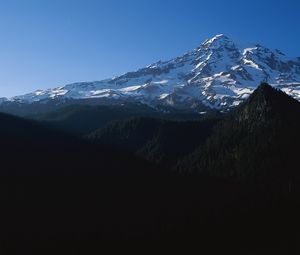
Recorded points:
48,43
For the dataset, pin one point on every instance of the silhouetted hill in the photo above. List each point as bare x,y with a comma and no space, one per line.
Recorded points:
259,142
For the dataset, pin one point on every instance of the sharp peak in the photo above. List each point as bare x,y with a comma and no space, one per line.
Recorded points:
264,89
265,86
219,36
219,39
269,93
265,103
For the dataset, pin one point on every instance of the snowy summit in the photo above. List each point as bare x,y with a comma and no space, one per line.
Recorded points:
217,74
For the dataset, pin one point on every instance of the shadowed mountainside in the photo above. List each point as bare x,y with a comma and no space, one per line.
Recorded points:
258,142
61,194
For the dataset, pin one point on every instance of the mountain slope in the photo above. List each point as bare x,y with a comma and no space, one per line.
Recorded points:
84,119
29,148
59,215
157,140
259,141
218,74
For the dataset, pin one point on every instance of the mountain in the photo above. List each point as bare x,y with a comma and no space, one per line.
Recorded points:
258,142
218,74
67,194
29,148
84,119
58,191
157,140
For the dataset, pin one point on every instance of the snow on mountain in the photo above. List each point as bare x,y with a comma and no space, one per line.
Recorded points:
218,74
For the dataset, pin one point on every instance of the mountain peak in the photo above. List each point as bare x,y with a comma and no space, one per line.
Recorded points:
217,37
267,102
219,74
217,41
265,92
264,88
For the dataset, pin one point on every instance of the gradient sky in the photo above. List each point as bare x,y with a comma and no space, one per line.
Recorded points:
49,43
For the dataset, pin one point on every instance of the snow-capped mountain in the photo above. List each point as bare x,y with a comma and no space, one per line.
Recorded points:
218,74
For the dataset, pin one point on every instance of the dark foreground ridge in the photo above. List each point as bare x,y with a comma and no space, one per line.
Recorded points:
220,186
258,142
